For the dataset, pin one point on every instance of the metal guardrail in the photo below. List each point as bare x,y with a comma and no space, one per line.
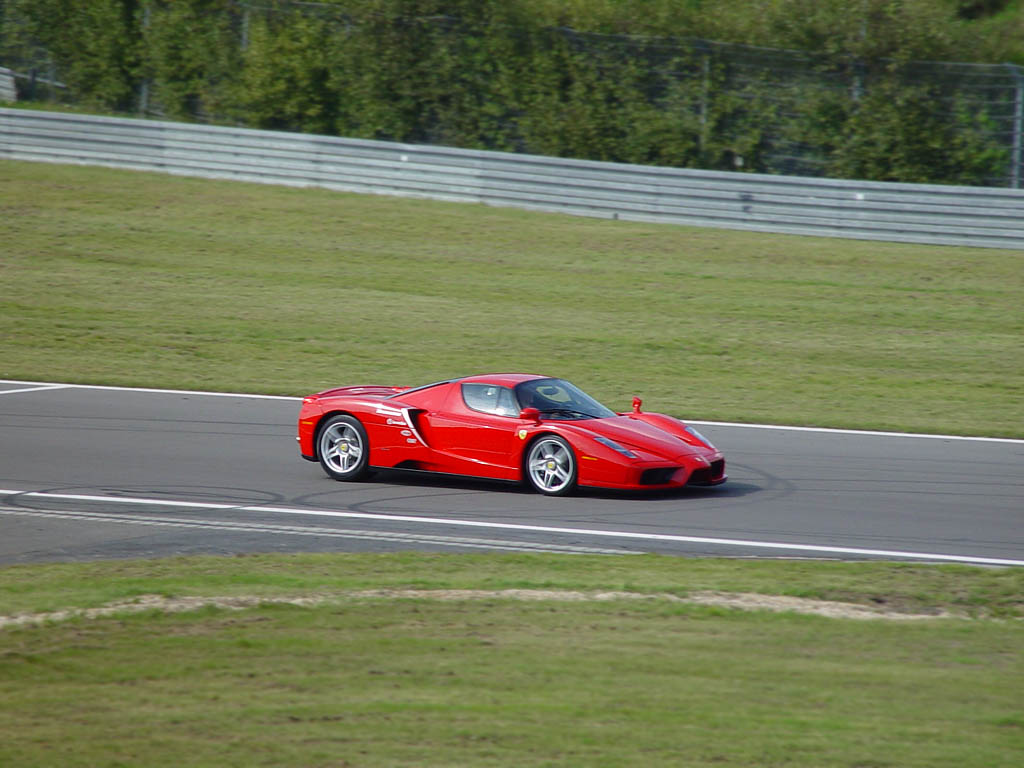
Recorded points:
917,213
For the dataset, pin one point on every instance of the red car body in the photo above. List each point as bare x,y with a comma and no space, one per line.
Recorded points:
516,427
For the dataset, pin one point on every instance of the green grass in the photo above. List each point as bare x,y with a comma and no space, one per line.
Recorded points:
402,682
130,278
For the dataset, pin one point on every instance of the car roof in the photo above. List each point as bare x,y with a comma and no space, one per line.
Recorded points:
501,379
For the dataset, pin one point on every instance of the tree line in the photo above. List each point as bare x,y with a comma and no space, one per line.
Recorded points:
814,87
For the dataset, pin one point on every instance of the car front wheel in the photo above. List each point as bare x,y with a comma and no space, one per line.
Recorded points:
551,466
343,449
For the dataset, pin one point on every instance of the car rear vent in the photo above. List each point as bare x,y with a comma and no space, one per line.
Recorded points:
657,476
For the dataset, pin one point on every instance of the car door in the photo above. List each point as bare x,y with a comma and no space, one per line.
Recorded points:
477,430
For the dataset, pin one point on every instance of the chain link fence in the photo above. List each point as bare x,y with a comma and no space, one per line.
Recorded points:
662,101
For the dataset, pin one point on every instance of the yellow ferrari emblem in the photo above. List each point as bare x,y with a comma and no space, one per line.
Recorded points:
522,434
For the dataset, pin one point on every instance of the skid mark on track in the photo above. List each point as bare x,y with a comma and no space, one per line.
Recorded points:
319,531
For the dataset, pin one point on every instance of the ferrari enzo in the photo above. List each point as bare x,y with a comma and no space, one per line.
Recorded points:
506,426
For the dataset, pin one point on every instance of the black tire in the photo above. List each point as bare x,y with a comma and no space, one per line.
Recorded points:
550,466
343,448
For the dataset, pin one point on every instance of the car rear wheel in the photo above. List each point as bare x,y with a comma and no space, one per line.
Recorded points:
343,448
551,466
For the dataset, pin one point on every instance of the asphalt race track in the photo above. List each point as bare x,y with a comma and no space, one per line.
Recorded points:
95,473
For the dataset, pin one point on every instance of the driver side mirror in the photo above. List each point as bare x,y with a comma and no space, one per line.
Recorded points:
530,414
637,402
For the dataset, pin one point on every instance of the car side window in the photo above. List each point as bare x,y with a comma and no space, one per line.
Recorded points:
489,398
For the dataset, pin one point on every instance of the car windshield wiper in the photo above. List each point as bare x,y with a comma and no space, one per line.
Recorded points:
569,412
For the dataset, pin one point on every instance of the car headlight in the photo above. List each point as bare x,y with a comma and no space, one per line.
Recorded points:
616,447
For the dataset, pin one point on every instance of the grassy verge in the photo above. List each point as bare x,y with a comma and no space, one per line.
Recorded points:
142,279
908,587
383,681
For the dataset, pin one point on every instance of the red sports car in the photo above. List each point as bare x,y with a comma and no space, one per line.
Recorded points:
506,426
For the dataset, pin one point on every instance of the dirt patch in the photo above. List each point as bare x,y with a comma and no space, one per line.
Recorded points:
736,601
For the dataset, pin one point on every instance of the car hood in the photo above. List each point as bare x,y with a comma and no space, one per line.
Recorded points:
638,435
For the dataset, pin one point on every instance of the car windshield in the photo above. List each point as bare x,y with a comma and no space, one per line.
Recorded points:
558,399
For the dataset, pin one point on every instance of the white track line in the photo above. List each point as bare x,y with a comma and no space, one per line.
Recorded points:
53,385
39,385
39,388
869,432
659,537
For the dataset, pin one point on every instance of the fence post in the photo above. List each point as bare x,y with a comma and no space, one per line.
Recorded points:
144,87
245,27
1018,124
704,49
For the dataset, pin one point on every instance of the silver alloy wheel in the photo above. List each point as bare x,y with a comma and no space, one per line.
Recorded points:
341,448
551,466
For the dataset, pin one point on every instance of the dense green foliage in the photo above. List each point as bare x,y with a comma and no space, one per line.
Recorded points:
818,87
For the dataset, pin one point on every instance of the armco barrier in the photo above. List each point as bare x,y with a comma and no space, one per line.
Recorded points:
917,213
